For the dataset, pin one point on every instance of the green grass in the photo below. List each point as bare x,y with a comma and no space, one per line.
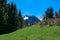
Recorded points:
34,33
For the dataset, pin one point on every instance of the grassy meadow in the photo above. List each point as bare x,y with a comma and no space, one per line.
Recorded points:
34,32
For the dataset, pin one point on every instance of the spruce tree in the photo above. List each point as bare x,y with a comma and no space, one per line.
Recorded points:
49,13
2,16
59,13
12,17
20,20
56,15
46,15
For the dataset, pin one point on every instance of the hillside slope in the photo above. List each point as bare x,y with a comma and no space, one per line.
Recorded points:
34,33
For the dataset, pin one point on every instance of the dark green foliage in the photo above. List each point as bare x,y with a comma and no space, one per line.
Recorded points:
20,20
50,18
49,13
59,14
46,14
12,18
56,14
9,17
2,15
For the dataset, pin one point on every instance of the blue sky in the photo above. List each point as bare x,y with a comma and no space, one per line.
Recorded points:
35,7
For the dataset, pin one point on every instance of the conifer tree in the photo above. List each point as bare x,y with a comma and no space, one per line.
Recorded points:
20,20
2,15
46,15
56,15
49,13
12,17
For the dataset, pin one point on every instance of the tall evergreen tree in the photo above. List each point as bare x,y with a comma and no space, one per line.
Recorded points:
20,20
56,15
12,17
2,15
46,15
49,13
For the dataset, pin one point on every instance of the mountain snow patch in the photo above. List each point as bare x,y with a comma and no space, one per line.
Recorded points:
25,18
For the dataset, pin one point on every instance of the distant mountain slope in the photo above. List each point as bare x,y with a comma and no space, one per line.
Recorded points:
30,20
34,33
